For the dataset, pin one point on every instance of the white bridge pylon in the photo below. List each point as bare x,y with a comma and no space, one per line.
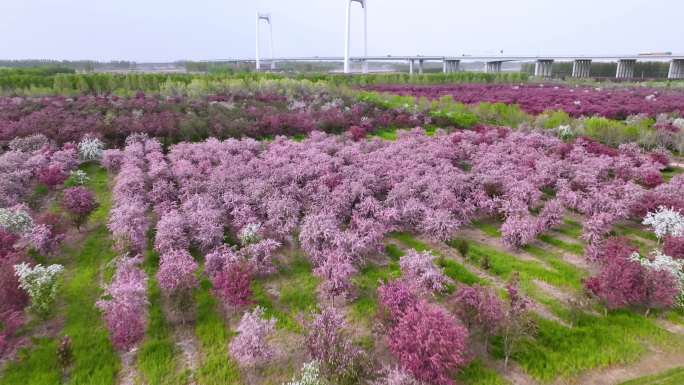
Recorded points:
266,17
364,5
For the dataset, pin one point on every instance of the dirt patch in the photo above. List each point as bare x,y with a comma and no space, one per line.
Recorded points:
653,363
516,376
183,335
576,260
496,243
128,375
553,291
671,327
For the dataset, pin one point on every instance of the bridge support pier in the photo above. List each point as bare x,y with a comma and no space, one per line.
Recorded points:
420,66
581,68
364,66
411,65
676,69
543,68
493,67
625,69
451,66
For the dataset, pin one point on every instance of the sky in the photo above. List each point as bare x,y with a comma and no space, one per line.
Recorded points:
160,31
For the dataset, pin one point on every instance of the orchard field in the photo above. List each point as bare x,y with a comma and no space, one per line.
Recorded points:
469,230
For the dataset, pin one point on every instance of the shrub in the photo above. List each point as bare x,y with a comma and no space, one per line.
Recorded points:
462,246
171,233
250,347
420,269
40,283
674,247
330,345
112,159
52,175
79,203
43,239
517,323
480,310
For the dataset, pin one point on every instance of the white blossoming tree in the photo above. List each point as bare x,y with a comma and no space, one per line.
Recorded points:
90,149
250,234
79,177
310,375
40,283
665,221
15,221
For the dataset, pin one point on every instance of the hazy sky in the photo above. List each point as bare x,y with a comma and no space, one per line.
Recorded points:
156,30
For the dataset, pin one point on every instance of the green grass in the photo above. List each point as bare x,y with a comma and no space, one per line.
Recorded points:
37,365
504,265
367,281
627,230
569,271
216,367
488,227
458,272
297,294
570,228
476,373
409,241
594,342
574,248
385,134
451,268
393,251
670,377
670,172
156,360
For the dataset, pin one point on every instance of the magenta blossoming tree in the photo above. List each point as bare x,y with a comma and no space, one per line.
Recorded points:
480,310
79,203
430,343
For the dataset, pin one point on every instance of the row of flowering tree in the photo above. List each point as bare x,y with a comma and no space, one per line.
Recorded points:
29,162
537,98
282,110
124,303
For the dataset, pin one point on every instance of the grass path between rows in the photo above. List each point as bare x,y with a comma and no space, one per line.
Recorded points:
157,360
